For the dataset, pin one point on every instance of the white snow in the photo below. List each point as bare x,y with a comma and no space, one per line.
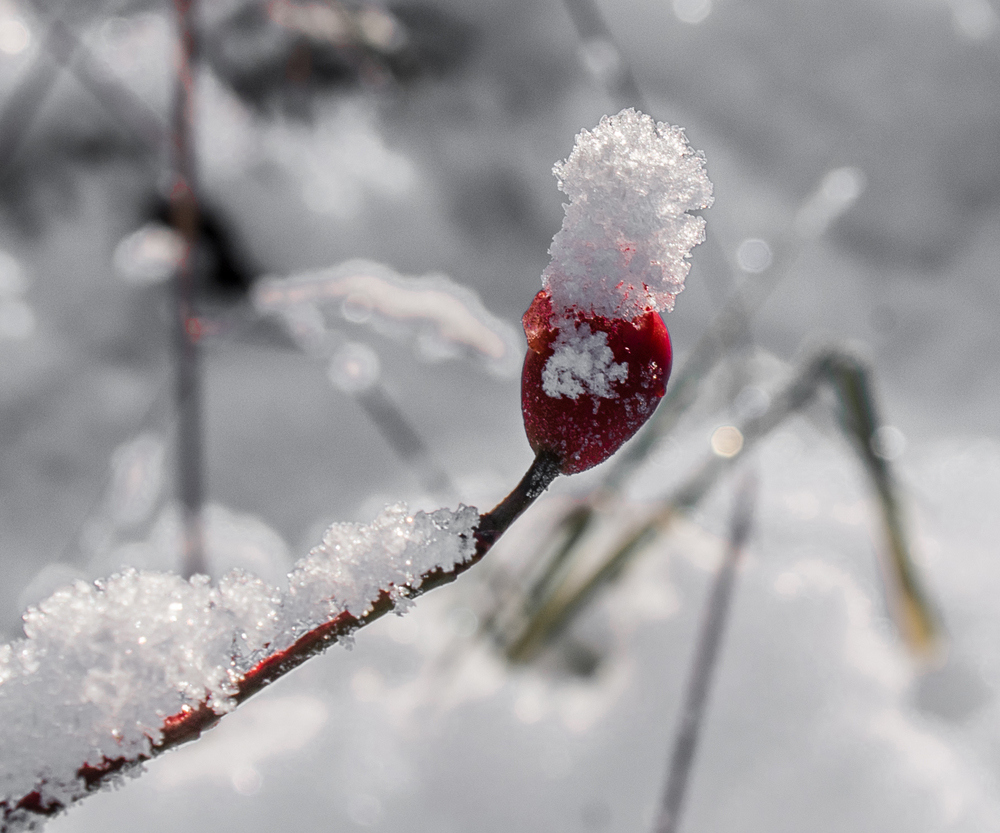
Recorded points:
582,363
626,236
355,562
103,664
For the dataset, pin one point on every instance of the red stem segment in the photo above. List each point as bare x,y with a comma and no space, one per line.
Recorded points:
189,724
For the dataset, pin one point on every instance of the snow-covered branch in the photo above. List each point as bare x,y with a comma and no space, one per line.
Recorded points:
114,673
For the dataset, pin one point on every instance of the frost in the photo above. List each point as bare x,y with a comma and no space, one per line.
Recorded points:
442,318
355,562
102,665
582,362
626,236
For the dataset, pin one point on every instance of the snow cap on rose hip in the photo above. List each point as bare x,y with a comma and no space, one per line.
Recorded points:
599,354
627,235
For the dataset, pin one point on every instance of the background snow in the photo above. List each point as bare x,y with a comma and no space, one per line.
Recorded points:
817,720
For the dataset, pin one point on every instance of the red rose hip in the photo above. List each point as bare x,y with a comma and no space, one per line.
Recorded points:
589,382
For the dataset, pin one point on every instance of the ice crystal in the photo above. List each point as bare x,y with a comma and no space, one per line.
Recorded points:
624,243
102,665
582,362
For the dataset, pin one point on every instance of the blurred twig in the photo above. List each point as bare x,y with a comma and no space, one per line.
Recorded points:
912,608
24,103
115,96
396,429
705,658
62,49
602,54
184,218
849,378
306,326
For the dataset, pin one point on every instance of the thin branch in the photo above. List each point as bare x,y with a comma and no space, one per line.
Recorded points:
188,725
399,433
185,219
916,618
705,659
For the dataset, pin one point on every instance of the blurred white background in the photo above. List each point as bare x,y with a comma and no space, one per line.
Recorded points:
420,138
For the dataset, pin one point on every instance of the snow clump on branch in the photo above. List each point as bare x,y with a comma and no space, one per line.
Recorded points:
625,240
104,667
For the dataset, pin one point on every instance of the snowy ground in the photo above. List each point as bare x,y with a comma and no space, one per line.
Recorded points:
819,719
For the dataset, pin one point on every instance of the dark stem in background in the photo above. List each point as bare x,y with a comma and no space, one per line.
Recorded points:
184,218
915,615
25,101
396,430
62,49
705,660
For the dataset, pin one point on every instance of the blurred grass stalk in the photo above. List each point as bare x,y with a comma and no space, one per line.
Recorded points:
705,659
552,603
184,218
61,49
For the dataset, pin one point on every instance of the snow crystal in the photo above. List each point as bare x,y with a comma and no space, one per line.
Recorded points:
355,562
626,237
582,362
103,665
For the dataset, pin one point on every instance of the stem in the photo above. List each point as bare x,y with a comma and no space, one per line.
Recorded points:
402,437
704,662
914,613
188,725
912,609
543,470
184,217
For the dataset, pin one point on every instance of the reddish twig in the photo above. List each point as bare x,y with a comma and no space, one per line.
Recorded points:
188,725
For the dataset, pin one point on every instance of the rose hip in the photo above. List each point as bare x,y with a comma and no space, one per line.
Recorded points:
589,382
